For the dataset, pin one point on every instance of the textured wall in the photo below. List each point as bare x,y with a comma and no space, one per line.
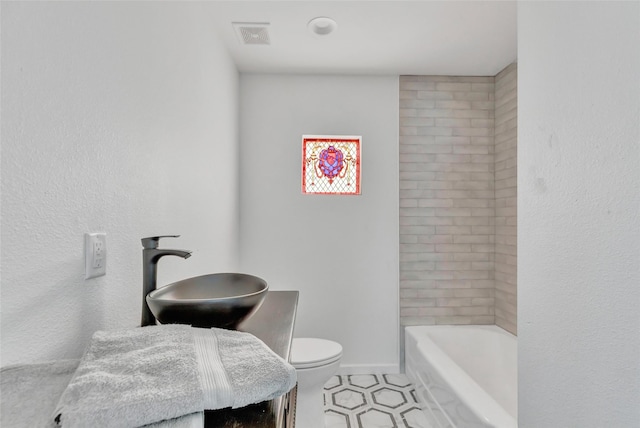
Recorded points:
578,222
506,130
446,200
118,117
341,252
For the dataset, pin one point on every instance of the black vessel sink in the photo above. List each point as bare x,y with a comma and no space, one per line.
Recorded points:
216,300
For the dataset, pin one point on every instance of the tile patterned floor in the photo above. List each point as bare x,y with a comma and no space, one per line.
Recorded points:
373,401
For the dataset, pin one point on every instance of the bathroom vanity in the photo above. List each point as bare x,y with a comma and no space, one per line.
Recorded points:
273,324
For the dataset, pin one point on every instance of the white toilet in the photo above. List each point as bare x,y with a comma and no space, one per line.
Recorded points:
315,361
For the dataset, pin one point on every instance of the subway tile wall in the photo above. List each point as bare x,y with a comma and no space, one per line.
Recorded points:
447,204
506,128
452,269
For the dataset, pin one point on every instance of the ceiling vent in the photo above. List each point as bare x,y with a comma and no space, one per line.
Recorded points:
252,33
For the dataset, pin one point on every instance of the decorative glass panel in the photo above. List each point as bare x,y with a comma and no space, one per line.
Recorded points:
331,164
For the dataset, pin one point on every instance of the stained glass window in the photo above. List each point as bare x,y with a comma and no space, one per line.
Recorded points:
331,164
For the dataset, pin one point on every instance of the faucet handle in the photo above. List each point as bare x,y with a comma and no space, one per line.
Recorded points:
152,241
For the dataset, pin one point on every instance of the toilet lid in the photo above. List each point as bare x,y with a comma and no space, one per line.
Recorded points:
311,352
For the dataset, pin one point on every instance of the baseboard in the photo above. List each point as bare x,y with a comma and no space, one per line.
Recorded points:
357,369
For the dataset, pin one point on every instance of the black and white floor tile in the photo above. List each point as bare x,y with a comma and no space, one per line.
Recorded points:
373,401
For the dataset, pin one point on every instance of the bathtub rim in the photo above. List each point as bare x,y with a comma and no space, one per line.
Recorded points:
478,400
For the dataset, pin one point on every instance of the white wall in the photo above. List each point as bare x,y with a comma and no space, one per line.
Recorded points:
116,117
341,252
578,214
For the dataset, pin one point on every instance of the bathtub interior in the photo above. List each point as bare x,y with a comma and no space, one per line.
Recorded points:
434,357
491,364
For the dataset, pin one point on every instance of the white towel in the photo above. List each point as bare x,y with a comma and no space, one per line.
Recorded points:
30,392
134,377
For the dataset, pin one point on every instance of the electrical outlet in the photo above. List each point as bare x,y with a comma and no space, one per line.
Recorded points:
95,255
98,254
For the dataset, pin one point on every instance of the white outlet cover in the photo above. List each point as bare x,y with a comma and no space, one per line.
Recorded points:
95,255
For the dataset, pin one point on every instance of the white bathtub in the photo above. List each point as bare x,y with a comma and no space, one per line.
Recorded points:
467,373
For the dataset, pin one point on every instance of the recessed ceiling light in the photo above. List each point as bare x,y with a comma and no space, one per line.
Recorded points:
322,25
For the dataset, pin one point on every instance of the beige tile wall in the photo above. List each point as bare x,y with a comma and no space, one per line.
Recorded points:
457,200
506,127
447,205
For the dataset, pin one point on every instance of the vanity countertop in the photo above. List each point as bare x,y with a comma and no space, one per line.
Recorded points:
273,323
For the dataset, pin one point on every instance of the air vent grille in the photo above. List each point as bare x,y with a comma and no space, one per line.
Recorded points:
251,33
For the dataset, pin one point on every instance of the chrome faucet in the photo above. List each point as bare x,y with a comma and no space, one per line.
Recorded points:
150,256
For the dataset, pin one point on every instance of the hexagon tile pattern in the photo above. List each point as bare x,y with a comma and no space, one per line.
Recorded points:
373,401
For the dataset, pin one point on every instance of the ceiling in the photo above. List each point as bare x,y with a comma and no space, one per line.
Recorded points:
461,38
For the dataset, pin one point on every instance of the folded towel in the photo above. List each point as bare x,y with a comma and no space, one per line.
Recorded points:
134,377
30,392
